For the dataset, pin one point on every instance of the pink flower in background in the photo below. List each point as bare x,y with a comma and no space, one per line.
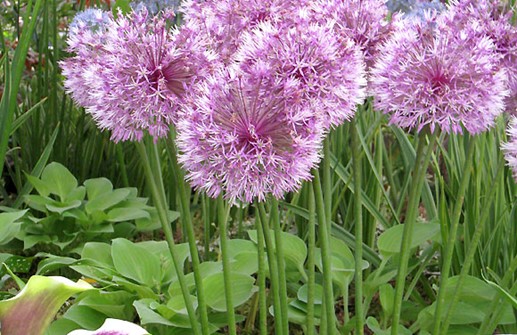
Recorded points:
246,139
326,72
135,78
493,20
86,38
221,23
433,73
364,21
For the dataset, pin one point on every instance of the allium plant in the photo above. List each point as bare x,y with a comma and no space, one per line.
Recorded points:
434,73
493,19
220,23
245,137
324,71
365,21
130,75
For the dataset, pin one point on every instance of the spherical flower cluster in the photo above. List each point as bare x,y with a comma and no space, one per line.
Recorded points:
134,78
256,127
325,70
221,23
365,21
510,147
433,73
245,138
493,20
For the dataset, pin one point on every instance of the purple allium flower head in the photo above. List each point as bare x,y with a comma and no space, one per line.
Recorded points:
433,73
326,71
244,138
493,20
365,21
510,147
86,37
137,78
223,21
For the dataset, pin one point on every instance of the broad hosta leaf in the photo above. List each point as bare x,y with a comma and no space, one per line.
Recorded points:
126,214
135,262
295,250
389,242
9,226
106,200
242,289
59,180
97,186
34,307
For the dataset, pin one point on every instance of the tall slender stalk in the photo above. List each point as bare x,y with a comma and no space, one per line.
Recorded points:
310,263
261,275
419,171
187,220
222,219
358,213
324,239
159,203
472,248
280,261
273,270
455,220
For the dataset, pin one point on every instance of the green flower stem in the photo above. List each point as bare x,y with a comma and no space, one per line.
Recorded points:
186,217
310,263
476,237
222,218
358,213
280,260
159,203
449,247
261,275
324,239
421,163
273,270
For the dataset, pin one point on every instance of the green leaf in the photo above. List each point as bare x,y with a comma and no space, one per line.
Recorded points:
135,262
295,250
53,263
304,291
126,214
242,290
106,200
387,298
59,180
98,252
115,304
389,242
511,299
9,225
149,316
97,186
61,207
